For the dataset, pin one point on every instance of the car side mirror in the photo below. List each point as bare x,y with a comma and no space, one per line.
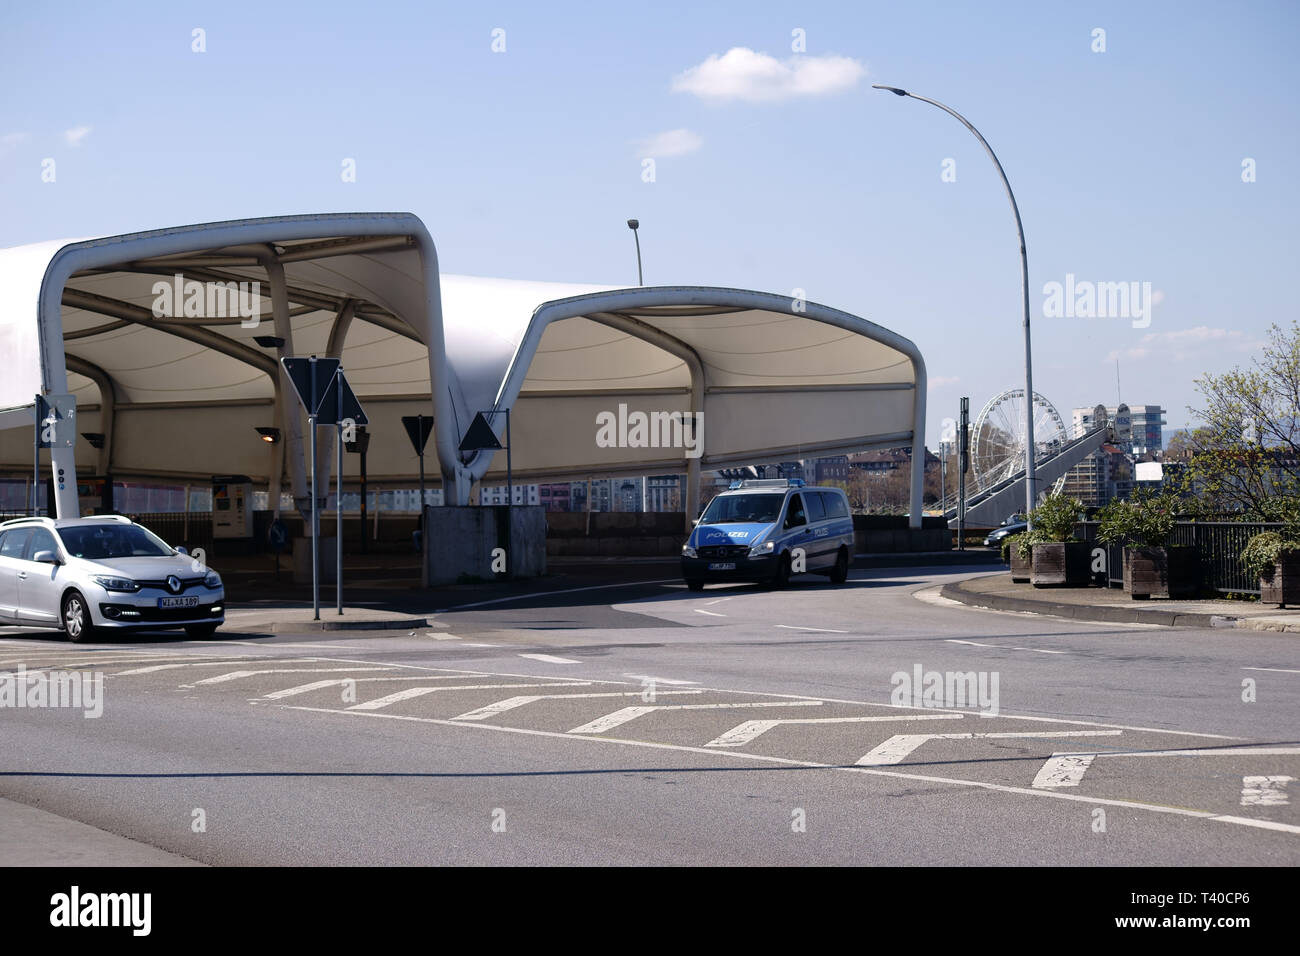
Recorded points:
46,557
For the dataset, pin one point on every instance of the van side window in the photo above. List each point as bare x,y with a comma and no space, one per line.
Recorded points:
835,506
794,515
816,506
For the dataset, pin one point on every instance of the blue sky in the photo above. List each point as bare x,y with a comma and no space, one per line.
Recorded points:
1127,163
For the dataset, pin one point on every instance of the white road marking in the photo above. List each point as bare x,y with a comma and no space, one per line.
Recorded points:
900,746
718,601
226,661
819,630
698,610
619,717
550,659
381,702
510,703
240,675
1265,791
331,647
1003,647
537,594
869,771
340,681
1275,670
1063,770
742,734
661,680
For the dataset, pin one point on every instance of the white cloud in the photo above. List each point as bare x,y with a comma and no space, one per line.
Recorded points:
75,136
673,142
1181,344
742,74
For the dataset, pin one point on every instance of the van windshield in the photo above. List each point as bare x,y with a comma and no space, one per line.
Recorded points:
747,509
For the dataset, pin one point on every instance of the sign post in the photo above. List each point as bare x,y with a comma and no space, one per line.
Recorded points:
340,408
418,428
963,466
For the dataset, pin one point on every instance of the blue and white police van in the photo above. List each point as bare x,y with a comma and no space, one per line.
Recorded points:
766,530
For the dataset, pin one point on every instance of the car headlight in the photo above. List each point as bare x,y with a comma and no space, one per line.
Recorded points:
688,551
212,580
110,583
759,550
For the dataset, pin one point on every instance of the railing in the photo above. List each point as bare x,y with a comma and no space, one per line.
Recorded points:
179,529
1219,544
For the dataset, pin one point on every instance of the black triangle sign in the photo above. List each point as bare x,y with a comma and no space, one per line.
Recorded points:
299,372
417,429
480,435
340,403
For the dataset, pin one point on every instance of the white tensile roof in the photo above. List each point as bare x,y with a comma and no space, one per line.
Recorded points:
775,378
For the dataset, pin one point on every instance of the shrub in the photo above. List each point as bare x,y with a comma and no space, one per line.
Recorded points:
1055,518
1022,542
1264,550
1144,521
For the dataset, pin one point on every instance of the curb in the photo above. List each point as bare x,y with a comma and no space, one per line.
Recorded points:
290,627
1113,615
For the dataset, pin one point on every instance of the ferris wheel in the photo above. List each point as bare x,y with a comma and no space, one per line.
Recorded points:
997,437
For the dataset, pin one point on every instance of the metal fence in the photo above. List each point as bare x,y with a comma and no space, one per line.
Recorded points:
1219,544
193,530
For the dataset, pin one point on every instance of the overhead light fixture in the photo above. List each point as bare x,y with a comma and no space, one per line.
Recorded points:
96,439
269,435
269,341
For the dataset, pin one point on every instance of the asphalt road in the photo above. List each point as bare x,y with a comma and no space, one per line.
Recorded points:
643,724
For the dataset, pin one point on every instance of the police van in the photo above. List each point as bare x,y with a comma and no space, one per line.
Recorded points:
766,530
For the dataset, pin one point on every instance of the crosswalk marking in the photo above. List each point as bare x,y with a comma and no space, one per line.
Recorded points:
742,734
900,746
381,702
619,717
510,703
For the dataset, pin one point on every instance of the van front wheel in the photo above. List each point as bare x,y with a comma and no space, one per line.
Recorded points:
782,576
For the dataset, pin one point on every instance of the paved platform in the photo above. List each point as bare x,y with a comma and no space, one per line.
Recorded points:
295,617
999,592
34,837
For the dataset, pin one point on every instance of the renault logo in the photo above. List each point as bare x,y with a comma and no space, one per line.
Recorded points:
173,583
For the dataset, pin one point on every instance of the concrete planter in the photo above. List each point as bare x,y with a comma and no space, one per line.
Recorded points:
1283,586
1020,567
1161,572
1060,564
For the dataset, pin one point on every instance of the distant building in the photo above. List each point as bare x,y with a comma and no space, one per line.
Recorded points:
1139,429
496,495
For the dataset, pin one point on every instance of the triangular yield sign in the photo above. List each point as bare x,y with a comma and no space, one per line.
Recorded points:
417,429
479,435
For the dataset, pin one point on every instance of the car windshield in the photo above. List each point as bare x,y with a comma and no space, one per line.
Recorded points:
95,542
732,509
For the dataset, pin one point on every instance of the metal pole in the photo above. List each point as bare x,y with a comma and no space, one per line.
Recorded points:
1030,494
424,545
963,437
315,514
36,455
364,531
510,505
338,517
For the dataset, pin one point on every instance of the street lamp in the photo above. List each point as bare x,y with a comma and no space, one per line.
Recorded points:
1024,288
634,224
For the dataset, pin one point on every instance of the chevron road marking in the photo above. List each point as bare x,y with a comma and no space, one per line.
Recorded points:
411,692
900,746
340,681
1067,769
1265,791
619,717
510,703
742,734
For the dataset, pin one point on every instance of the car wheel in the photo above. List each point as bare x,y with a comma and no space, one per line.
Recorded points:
200,631
782,576
695,584
75,616
840,573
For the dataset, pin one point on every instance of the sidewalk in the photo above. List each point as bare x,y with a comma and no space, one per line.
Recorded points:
34,837
997,591
295,617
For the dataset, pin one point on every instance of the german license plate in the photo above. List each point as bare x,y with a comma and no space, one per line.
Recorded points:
722,566
170,602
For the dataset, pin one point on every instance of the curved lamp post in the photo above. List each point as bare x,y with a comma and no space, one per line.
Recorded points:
1024,289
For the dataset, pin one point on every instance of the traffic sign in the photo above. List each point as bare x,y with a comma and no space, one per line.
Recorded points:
300,375
480,435
56,421
418,428
339,403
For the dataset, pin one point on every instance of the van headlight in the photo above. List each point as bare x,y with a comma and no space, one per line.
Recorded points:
688,551
212,580
110,583
758,550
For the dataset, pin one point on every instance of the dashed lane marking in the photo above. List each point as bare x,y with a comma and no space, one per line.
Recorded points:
1265,791
818,630
750,730
619,717
1067,769
240,675
550,659
699,610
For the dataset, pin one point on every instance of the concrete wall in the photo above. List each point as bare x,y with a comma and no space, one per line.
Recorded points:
614,533
461,542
